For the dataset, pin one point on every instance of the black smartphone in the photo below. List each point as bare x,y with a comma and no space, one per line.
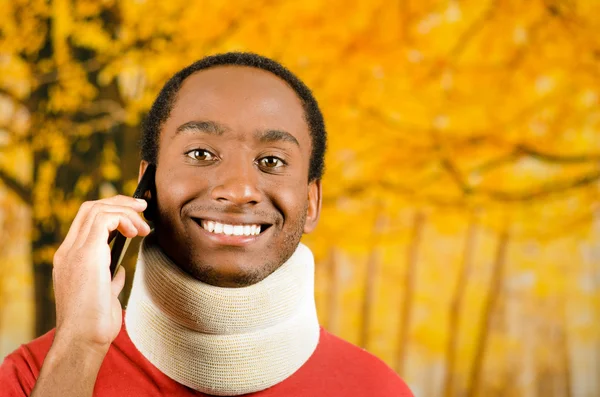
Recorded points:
120,242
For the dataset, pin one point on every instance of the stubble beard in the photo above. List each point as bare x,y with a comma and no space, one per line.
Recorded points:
208,273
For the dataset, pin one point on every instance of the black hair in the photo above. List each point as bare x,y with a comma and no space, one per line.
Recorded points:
162,106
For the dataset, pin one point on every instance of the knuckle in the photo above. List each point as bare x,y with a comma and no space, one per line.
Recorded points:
92,212
120,198
58,257
133,214
106,218
86,205
102,217
112,198
88,219
96,207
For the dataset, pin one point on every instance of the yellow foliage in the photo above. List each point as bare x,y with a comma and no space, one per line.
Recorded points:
475,117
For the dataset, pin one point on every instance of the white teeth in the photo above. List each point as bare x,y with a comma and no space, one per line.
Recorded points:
229,230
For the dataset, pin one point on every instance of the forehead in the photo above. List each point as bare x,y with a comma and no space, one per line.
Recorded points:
244,99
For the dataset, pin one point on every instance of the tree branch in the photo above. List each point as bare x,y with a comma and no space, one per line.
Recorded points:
21,190
464,39
472,30
12,96
523,150
518,56
496,195
104,106
16,139
457,139
456,176
544,190
556,158
491,134
495,163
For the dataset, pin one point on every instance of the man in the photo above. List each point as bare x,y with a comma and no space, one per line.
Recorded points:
222,299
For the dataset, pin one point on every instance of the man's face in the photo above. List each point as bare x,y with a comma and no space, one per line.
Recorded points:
232,177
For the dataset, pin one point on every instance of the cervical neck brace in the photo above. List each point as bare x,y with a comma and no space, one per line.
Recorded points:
223,341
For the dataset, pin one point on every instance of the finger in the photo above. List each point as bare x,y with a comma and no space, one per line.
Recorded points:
75,231
137,204
75,228
117,283
137,220
102,225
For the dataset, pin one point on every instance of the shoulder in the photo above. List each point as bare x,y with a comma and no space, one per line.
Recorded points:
20,369
357,368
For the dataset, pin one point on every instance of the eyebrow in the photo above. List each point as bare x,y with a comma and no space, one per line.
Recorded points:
276,136
214,128
209,127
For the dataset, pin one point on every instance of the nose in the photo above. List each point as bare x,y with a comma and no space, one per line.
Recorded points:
237,181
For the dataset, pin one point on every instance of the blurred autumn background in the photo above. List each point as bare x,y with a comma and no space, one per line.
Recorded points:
460,233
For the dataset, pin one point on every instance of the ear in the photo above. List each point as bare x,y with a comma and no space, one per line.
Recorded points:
143,166
314,205
150,211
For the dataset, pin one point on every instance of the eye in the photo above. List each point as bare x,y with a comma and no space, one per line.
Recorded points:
201,155
271,162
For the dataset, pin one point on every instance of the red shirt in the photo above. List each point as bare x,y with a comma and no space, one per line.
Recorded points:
335,369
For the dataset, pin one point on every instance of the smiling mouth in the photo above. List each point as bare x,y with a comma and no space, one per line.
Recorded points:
247,229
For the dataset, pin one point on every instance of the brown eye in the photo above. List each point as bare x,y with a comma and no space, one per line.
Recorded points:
271,162
200,155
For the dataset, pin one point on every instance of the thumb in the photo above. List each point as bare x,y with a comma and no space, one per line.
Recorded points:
118,281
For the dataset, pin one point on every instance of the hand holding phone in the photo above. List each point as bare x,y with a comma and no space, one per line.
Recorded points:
88,310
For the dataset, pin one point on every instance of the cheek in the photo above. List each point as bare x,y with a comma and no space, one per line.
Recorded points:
292,202
175,187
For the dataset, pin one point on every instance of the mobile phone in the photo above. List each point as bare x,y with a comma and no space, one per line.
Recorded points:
120,242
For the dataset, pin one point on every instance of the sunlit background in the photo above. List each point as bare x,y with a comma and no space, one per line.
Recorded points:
460,233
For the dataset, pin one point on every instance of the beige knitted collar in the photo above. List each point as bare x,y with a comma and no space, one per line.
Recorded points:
223,341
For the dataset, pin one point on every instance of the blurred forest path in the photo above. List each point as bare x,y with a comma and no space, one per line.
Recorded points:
460,233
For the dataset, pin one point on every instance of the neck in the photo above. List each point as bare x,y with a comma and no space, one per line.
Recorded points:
223,341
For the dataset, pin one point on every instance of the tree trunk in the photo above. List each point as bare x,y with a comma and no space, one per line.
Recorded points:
456,305
45,312
370,278
332,297
43,240
409,288
566,359
488,312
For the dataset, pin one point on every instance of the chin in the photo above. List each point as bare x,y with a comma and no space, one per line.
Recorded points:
229,275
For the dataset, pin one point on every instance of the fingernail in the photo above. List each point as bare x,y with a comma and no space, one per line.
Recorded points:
139,200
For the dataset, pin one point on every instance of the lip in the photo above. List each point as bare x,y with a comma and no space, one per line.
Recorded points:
231,220
223,239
